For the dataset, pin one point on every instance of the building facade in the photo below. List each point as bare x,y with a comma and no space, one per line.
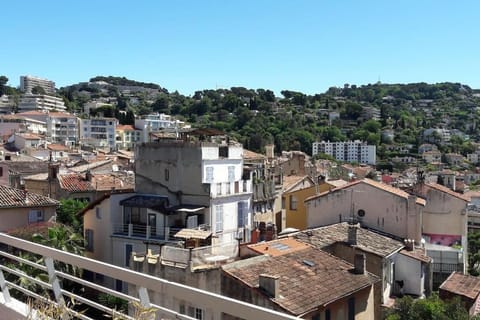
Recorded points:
30,102
62,128
206,175
349,151
98,132
27,83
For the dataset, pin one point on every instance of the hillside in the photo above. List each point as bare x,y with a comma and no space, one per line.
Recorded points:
294,120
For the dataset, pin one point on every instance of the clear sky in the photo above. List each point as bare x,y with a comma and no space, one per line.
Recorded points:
307,46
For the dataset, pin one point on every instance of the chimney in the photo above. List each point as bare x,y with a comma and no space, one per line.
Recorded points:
270,284
269,148
25,196
88,175
352,234
359,263
409,244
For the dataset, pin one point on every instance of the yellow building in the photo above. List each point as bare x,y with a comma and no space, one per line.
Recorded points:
294,194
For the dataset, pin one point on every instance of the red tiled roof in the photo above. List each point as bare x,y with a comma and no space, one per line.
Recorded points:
57,147
250,155
460,284
60,114
291,181
309,278
278,247
417,254
75,182
375,184
126,127
449,191
16,198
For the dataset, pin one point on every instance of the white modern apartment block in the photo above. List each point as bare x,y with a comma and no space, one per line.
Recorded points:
349,151
29,102
98,132
62,128
27,83
156,122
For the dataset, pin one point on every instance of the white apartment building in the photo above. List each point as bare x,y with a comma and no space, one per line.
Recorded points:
62,128
98,132
27,83
205,176
156,122
29,102
349,151
6,104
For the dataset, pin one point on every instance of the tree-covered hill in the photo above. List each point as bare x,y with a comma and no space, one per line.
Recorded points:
294,120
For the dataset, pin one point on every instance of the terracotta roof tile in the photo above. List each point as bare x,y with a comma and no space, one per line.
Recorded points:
417,254
57,147
75,182
250,155
367,240
460,284
449,191
378,185
309,278
11,197
291,181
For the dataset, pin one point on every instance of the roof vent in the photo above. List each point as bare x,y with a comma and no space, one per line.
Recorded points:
308,263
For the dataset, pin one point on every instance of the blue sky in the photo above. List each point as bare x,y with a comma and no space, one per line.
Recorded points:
307,46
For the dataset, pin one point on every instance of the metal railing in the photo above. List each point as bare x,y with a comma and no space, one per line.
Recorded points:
143,231
146,285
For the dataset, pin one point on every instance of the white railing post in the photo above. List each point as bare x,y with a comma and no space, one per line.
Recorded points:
167,233
57,290
130,229
149,231
144,298
4,288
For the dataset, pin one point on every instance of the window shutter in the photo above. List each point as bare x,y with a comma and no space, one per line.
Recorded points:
219,218
240,217
209,174
231,173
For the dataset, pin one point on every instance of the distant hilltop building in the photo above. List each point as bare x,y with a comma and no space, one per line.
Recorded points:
27,83
349,151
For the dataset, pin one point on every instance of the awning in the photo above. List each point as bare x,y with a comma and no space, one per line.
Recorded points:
189,208
193,234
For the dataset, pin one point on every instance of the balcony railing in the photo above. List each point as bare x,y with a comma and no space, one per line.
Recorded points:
146,285
145,231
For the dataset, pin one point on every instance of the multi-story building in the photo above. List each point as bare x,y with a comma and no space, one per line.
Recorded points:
27,83
206,175
156,122
349,151
98,132
126,136
62,128
30,102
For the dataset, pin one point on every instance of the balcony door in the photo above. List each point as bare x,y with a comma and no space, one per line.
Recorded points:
152,222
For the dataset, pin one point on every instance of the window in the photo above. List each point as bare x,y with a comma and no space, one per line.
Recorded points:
35,216
198,314
209,174
228,187
1,171
283,202
167,174
98,213
351,308
242,214
219,218
219,189
231,173
327,314
293,202
128,254
89,240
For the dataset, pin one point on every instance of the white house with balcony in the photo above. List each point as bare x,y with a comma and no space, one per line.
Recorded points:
62,128
98,132
194,171
156,122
